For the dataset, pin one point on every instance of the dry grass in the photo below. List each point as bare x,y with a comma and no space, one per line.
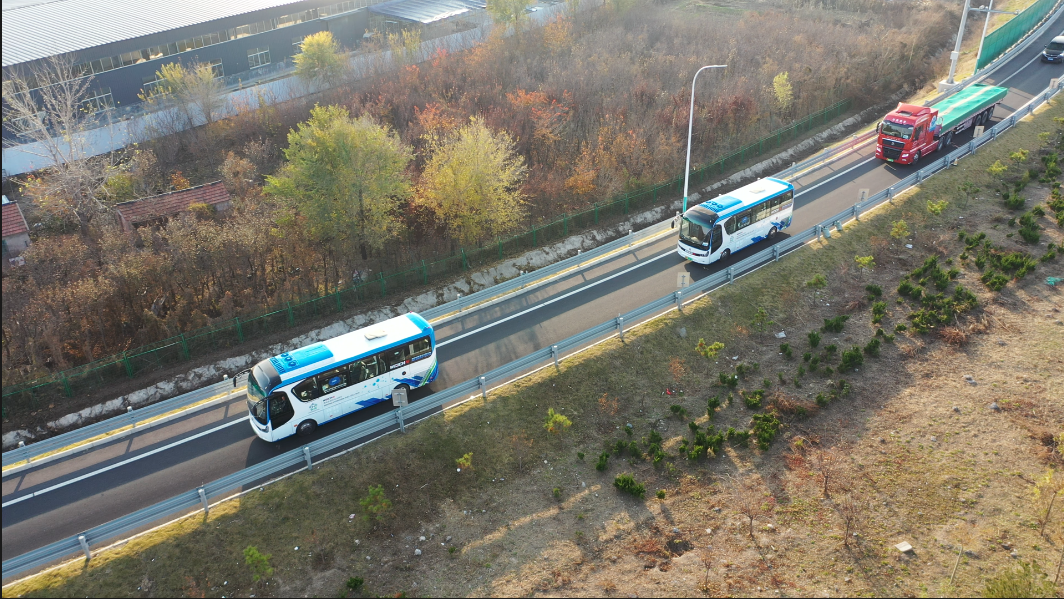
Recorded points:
917,449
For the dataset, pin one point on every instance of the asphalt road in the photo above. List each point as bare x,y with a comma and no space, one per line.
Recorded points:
96,486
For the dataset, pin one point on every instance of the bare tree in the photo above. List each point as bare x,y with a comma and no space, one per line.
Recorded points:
193,91
851,508
746,497
49,111
829,466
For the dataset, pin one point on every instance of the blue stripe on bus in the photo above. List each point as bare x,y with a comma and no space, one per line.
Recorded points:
316,371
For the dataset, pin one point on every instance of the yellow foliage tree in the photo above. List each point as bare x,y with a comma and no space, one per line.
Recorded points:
472,181
320,59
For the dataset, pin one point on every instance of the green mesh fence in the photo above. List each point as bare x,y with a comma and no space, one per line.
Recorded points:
181,348
1002,38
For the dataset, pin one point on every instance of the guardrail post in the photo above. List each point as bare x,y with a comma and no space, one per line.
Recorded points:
399,417
826,230
679,300
459,300
203,500
731,275
857,212
484,388
554,353
620,327
776,253
817,227
306,454
85,547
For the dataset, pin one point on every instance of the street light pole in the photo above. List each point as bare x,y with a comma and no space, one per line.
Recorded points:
957,49
960,33
690,126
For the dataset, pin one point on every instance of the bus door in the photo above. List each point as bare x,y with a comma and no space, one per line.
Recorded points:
281,410
718,239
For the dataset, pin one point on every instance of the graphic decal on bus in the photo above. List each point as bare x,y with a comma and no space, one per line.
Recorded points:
299,358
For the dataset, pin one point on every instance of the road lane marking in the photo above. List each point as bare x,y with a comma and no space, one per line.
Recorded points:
830,179
124,462
549,302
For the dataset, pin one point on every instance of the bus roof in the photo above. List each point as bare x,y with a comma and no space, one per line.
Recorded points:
299,363
745,196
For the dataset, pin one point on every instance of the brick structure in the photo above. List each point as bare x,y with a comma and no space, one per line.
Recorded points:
157,208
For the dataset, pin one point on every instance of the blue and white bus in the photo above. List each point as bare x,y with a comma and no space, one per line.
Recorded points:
714,230
296,391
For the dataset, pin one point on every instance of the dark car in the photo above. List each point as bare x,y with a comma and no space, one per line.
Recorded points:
1054,50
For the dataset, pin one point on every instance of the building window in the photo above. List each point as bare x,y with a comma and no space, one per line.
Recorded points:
216,68
151,85
100,100
297,45
258,57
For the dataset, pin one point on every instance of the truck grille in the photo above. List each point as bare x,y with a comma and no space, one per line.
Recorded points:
891,153
893,143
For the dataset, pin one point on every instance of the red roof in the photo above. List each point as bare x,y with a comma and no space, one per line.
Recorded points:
171,203
14,222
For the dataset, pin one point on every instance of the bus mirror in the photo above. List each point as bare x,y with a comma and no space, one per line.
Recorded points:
399,397
237,376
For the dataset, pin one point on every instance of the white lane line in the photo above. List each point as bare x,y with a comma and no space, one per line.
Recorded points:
123,463
1017,72
547,303
830,179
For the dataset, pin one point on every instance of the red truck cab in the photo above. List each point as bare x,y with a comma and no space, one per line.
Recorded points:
907,133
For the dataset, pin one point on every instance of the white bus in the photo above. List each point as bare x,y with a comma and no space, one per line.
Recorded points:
296,391
715,229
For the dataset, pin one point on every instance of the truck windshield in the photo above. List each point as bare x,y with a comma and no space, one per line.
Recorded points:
897,130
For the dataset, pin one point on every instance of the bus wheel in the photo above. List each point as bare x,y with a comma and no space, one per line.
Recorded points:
725,255
772,233
306,428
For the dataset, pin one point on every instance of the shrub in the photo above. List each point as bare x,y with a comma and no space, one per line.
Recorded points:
465,462
851,359
654,438
744,370
899,229
557,492
830,349
874,291
814,338
866,262
709,351
627,483
807,356
580,455
678,411
354,584
821,400
879,310
711,406
835,325
997,169
936,208
628,430
753,399
1014,201
661,493
872,348
785,349
740,438
556,422
603,462
728,380
619,446
765,428
258,563
375,505
814,363
633,448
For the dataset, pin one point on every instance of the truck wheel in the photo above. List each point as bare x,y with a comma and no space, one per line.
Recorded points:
948,139
916,158
306,428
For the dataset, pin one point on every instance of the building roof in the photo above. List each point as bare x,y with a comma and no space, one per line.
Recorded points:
14,223
427,11
34,30
136,211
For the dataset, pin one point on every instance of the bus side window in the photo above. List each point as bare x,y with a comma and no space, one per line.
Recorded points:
775,203
393,357
420,347
307,390
786,200
763,210
333,380
366,368
744,219
729,225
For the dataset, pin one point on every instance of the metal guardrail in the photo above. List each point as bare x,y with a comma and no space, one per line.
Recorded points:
401,416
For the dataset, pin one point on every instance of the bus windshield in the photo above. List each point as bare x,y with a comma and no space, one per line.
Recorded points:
897,130
257,409
256,381
695,232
